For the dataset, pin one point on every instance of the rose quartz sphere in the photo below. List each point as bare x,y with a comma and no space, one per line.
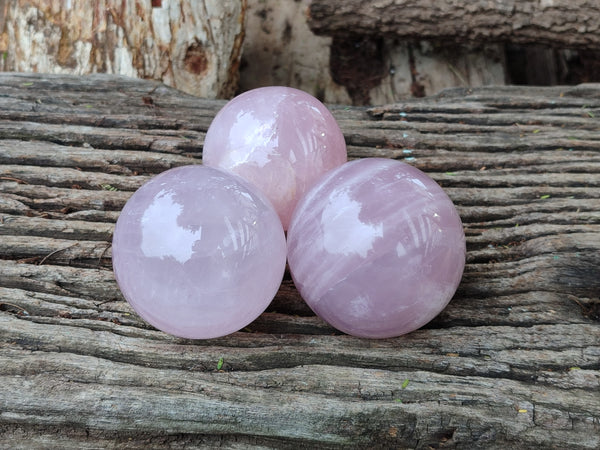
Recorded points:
280,139
376,248
198,252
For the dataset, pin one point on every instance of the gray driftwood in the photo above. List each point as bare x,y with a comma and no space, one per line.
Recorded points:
513,362
557,23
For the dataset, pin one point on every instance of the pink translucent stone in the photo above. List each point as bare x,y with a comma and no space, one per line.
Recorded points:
198,252
278,138
376,248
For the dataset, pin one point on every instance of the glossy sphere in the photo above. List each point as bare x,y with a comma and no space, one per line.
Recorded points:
278,138
376,248
198,253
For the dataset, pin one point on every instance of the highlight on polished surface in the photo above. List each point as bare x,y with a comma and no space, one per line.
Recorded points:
198,253
376,248
280,139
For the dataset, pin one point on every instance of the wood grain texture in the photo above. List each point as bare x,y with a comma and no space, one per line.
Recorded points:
194,46
556,23
513,361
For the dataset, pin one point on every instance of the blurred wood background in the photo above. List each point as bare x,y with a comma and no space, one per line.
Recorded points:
194,46
364,52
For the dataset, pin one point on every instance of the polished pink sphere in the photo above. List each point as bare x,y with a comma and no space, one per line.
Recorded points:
198,253
280,139
376,248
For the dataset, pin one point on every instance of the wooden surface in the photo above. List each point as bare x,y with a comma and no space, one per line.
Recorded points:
556,23
513,362
280,49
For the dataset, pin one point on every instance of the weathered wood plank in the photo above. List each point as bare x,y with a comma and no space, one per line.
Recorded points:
47,154
513,361
556,23
353,396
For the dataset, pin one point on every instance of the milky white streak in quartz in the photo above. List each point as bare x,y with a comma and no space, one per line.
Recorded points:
280,139
198,252
376,248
